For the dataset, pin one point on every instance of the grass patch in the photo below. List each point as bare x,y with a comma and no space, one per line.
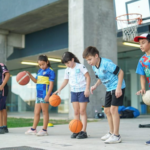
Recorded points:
22,122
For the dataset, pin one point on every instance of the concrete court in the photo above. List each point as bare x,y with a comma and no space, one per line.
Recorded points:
59,137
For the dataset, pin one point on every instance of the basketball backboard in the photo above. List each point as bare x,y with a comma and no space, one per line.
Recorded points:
133,6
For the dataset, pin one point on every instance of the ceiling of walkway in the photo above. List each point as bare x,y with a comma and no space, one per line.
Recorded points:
16,63
39,19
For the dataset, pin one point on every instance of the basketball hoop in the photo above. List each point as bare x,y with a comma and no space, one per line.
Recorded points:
128,23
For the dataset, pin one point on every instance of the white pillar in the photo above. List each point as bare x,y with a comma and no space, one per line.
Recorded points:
3,46
92,23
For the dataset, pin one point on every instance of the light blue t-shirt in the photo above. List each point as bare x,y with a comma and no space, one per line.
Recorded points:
107,72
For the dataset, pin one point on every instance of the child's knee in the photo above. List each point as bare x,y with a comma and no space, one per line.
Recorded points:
107,111
76,112
82,112
114,110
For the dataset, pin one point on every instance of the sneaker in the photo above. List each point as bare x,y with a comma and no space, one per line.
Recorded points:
2,131
6,130
31,132
148,142
106,136
82,135
42,133
74,135
113,139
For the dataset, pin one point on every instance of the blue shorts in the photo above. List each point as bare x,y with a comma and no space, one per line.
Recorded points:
40,100
2,102
79,97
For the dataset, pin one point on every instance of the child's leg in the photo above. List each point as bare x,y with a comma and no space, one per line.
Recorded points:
109,118
116,119
2,106
4,117
83,115
76,108
1,123
1,118
45,114
114,110
108,99
5,113
37,110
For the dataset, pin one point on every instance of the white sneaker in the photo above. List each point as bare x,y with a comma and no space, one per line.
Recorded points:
31,132
106,136
113,139
42,133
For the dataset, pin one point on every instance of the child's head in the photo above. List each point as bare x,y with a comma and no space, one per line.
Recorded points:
91,54
144,41
69,59
43,62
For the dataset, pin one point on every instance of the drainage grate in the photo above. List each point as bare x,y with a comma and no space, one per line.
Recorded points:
21,148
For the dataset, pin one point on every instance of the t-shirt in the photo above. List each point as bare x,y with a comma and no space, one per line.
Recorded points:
143,67
43,78
76,77
3,70
107,72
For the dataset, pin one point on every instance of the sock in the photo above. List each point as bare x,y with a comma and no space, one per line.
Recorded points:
32,129
110,133
5,127
116,135
44,130
1,127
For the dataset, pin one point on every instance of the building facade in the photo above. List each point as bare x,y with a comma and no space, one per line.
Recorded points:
52,27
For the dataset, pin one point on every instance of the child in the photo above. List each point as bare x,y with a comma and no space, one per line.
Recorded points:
79,80
44,85
143,67
4,77
111,76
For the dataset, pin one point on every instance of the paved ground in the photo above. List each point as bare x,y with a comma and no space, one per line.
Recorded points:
59,137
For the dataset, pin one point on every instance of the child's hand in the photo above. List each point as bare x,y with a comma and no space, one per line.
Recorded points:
142,91
57,92
87,93
1,87
93,88
28,73
118,93
46,98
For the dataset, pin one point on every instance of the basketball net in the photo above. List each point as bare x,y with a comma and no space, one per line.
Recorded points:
129,23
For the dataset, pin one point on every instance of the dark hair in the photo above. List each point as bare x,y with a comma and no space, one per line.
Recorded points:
44,58
146,39
90,51
67,56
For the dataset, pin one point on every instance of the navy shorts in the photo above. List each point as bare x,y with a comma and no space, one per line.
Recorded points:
79,97
2,102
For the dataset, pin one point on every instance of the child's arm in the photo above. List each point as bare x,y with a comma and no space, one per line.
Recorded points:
118,92
95,86
143,82
65,82
51,83
88,80
7,76
31,77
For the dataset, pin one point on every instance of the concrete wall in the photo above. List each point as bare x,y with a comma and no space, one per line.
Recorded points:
50,39
3,46
92,24
10,9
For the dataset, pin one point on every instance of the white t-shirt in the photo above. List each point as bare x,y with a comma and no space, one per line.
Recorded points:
76,77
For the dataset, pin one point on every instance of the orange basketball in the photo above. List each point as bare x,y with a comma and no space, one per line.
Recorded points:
22,78
54,100
75,126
